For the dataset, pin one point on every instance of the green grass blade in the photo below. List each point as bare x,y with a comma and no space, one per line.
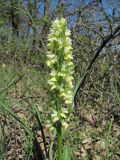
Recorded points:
16,117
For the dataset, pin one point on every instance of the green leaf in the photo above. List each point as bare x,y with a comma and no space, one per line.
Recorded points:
66,153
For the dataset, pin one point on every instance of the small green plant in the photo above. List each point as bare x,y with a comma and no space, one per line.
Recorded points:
59,60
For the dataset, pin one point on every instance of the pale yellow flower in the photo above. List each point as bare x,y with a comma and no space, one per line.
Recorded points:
63,115
3,65
65,125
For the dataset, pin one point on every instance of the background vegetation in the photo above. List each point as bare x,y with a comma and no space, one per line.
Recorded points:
94,131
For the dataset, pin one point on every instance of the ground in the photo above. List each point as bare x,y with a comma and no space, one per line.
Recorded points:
94,129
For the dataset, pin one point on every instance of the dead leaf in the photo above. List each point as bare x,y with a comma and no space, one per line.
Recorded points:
87,140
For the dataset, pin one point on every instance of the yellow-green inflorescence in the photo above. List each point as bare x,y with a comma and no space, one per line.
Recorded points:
59,60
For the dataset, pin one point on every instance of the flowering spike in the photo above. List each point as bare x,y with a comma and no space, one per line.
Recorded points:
59,60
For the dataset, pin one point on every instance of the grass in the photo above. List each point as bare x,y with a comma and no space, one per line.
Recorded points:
93,133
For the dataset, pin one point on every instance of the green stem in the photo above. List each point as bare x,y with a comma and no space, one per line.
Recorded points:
59,140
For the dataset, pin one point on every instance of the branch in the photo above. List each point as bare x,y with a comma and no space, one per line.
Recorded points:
12,83
96,55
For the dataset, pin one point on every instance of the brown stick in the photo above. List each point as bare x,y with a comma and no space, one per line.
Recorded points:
12,83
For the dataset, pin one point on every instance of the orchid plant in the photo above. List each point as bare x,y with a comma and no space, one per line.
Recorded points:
59,60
